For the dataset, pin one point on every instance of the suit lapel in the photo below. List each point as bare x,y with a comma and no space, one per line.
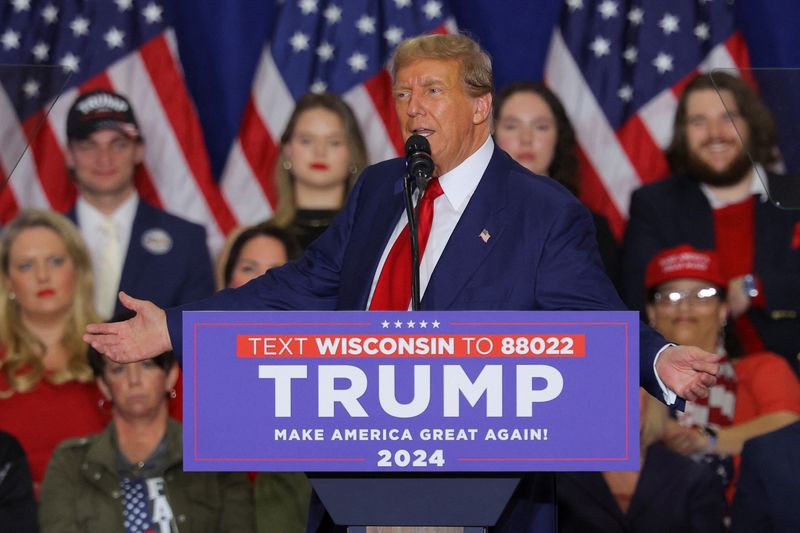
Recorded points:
466,250
136,255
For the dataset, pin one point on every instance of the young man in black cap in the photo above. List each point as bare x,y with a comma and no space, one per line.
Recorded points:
135,247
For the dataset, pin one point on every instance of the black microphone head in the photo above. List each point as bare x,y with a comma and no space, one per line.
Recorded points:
418,160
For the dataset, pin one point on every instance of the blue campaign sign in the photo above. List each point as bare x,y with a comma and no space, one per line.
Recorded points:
438,391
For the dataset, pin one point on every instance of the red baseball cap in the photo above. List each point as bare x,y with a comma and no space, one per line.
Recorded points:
684,262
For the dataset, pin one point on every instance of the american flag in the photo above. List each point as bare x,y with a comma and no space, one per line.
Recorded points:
317,45
619,67
123,45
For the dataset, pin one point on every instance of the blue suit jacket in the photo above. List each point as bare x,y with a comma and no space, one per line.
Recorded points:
179,275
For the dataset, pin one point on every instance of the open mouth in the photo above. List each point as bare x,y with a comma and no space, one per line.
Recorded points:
422,131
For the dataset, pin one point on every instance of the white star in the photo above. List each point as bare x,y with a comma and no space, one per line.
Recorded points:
299,41
636,16
385,324
31,88
393,35
365,25
574,5
663,62
601,47
114,38
669,23
398,324
701,31
69,63
630,54
308,6
607,9
325,51
357,62
79,26
50,14
410,324
21,5
435,324
123,5
402,3
625,93
10,39
432,9
333,14
318,87
152,13
423,324
41,51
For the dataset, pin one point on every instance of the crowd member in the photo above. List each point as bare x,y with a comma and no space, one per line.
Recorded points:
129,477
766,498
134,246
17,500
755,394
322,154
669,493
716,201
252,250
499,238
532,126
46,389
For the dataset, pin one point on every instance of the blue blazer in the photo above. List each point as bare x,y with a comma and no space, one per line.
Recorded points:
168,271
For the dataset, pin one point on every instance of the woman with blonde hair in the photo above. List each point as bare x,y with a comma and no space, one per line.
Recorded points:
322,154
46,388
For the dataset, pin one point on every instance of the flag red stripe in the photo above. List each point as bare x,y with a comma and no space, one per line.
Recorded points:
260,150
166,79
50,164
644,154
594,194
8,204
379,88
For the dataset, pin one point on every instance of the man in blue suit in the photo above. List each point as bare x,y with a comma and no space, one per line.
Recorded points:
135,247
500,238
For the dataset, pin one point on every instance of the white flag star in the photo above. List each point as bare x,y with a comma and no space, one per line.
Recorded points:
123,5
702,31
21,5
402,3
299,41
365,25
625,93
79,26
41,51
607,9
308,6
669,23
69,63
152,13
600,46
31,88
393,35
630,54
333,14
663,62
636,16
50,14
325,51
10,39
432,9
114,38
574,5
357,62
318,87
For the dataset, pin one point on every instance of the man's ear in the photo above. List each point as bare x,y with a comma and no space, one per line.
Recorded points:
483,108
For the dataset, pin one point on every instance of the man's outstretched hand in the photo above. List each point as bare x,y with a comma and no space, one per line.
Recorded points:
142,337
688,371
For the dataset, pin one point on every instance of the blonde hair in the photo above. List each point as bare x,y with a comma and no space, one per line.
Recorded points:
287,207
21,365
476,65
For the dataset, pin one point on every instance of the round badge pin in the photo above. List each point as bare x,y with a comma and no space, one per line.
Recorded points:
157,241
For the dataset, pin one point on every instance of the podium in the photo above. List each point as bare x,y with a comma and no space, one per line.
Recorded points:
424,419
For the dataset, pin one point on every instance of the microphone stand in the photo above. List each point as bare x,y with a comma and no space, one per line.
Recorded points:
411,213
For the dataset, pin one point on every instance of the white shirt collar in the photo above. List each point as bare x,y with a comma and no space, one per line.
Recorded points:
459,184
89,216
756,189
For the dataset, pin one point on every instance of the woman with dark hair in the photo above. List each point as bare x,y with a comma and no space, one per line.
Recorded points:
532,126
322,154
252,250
130,477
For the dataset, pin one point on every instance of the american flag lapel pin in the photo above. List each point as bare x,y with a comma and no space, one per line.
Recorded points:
485,235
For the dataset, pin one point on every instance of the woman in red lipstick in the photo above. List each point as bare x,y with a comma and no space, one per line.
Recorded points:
47,392
531,124
322,153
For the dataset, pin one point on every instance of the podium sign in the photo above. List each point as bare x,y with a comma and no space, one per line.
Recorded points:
440,391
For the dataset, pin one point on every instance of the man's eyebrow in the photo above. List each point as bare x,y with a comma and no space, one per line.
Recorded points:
425,82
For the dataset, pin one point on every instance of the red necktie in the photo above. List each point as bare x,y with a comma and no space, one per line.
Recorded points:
393,291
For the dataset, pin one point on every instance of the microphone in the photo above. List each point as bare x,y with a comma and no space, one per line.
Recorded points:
418,160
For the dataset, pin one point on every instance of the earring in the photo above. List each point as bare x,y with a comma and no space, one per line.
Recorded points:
287,165
173,394
353,169
12,296
104,404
